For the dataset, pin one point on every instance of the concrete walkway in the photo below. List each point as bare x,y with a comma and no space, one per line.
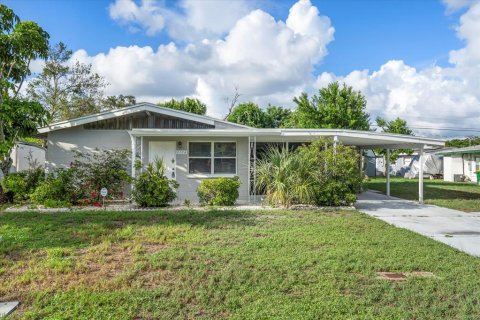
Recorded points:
458,229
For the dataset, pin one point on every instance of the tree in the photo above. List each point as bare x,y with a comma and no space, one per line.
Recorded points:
20,43
117,102
248,114
398,126
67,91
277,117
461,143
21,118
335,107
192,105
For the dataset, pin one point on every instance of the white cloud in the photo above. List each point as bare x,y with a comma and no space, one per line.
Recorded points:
194,20
261,56
454,5
147,15
429,97
206,19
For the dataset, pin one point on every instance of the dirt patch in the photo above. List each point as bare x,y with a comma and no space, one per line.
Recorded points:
403,276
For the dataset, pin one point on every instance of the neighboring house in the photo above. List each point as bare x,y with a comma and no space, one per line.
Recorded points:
406,165
460,164
195,147
25,155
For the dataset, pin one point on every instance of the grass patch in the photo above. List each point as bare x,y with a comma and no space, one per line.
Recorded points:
228,264
454,195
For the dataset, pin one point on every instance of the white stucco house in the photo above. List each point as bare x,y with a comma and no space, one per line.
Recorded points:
195,147
24,155
460,164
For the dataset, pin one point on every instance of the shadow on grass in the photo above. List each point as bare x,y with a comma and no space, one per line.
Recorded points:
33,230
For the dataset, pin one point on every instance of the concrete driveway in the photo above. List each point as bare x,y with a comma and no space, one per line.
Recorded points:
458,229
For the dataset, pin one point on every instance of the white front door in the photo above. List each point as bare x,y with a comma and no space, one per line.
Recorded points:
164,150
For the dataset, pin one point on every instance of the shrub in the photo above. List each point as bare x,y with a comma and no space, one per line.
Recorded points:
82,181
283,178
106,168
19,185
317,174
15,186
336,172
59,186
218,191
152,188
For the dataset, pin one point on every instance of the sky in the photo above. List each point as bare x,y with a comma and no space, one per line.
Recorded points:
419,60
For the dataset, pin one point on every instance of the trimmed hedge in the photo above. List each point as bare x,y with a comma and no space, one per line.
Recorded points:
218,191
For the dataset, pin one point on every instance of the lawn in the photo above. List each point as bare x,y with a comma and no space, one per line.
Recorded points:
228,264
455,195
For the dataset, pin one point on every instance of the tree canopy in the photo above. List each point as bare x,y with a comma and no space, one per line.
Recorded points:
250,114
398,126
462,143
192,105
67,91
336,106
117,102
20,43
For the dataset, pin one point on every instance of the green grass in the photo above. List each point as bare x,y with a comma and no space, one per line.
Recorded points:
455,195
228,264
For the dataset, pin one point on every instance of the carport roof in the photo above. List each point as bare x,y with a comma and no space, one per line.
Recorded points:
363,139
460,151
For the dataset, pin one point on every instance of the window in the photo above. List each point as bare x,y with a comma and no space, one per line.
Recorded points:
222,160
477,162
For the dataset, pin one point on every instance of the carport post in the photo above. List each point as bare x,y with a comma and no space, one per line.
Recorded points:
420,176
387,171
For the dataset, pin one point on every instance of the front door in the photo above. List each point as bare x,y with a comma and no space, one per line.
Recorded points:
164,150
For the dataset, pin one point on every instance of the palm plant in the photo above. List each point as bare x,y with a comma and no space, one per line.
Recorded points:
285,178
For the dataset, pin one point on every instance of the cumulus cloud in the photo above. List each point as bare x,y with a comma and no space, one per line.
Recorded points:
259,55
194,20
430,97
146,16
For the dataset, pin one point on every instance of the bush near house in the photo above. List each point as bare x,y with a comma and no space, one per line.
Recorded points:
80,184
152,187
318,174
18,186
218,191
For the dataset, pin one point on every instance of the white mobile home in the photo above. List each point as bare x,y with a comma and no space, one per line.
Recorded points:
195,147
460,164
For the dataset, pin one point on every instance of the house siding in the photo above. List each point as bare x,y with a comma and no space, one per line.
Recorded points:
188,184
63,143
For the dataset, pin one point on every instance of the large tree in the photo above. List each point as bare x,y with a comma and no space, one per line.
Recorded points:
248,114
398,126
20,43
277,117
117,102
336,106
188,104
65,90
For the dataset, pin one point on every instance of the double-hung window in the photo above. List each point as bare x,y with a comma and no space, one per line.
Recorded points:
212,158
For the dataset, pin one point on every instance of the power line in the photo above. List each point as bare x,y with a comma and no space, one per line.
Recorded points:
441,128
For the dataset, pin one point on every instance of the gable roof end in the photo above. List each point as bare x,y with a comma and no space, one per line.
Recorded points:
143,106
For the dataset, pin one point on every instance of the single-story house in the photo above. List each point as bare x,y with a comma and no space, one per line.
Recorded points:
26,155
196,147
460,164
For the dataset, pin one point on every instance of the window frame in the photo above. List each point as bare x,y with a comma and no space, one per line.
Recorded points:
212,160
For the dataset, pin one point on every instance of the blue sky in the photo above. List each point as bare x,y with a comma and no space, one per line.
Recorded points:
367,33
418,60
